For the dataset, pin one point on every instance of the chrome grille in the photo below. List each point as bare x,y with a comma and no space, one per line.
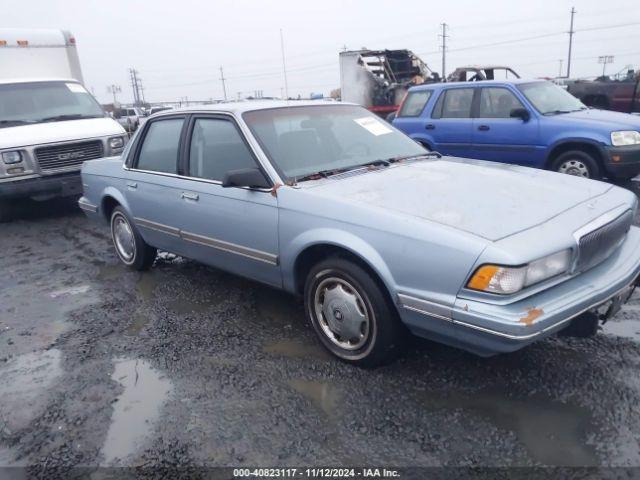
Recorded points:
68,155
597,245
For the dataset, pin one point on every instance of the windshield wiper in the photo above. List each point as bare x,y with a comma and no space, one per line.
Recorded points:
13,123
558,112
74,116
414,157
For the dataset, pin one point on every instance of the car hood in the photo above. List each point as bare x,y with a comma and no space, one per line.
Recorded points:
65,131
606,118
486,199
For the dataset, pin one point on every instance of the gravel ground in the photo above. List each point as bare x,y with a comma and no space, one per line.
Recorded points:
188,366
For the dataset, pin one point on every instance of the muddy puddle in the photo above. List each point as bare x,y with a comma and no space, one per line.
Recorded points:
137,408
553,433
278,308
323,395
623,327
296,349
25,381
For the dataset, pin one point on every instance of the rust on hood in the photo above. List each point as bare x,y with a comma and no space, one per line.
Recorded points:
532,314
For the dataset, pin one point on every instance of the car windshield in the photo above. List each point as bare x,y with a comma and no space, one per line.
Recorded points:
302,141
38,102
550,99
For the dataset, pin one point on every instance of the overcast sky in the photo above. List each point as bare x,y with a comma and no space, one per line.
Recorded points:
178,46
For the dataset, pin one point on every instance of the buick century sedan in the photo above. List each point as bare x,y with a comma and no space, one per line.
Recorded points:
379,236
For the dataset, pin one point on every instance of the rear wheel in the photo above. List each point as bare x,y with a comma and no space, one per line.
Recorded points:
130,247
351,313
578,163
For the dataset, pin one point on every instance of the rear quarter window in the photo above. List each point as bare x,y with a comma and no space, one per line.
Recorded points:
414,103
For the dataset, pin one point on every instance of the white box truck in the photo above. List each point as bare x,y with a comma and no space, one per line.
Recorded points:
49,123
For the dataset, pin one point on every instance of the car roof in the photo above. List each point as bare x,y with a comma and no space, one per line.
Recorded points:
5,81
252,105
515,81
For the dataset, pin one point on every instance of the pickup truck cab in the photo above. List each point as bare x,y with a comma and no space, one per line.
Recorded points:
529,123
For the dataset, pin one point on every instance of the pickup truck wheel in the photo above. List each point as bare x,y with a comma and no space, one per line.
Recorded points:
130,247
351,313
577,163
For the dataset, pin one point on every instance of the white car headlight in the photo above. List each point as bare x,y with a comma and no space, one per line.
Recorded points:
625,137
11,157
508,280
116,143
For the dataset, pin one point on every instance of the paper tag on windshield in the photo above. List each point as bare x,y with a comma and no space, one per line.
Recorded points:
75,87
373,126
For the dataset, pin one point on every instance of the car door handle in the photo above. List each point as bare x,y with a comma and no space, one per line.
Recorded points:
484,128
132,185
194,197
430,126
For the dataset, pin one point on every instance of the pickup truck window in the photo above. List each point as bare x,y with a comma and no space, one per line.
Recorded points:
454,103
159,150
216,148
497,102
414,103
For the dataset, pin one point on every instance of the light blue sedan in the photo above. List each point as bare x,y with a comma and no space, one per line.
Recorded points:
378,235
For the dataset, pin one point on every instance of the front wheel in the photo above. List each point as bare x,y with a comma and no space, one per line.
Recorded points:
130,247
577,163
351,313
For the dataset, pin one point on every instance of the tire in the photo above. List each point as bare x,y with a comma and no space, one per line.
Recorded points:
129,245
363,327
578,163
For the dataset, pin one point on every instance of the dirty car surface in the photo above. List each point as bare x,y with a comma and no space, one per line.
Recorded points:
376,234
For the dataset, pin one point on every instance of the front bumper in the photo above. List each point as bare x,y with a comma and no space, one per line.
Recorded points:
488,328
504,328
623,162
65,185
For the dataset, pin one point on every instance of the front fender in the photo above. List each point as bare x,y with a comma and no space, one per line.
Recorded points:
336,238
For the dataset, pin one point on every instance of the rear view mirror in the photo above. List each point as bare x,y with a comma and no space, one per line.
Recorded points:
521,113
245,177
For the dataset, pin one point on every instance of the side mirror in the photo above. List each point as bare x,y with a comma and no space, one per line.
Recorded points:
245,177
521,113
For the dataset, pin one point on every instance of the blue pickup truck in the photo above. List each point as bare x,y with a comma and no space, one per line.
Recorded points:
530,123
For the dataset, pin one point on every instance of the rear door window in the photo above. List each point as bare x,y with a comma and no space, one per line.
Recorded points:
414,103
159,149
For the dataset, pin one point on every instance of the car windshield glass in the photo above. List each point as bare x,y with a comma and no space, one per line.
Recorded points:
549,99
37,102
301,141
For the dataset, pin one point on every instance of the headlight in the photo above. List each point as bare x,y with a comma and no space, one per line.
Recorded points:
116,143
507,280
625,137
11,157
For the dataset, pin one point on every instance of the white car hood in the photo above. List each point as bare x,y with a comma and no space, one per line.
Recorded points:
69,130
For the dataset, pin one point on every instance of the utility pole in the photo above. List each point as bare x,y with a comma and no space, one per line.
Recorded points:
560,68
444,50
224,87
571,32
113,89
284,67
136,86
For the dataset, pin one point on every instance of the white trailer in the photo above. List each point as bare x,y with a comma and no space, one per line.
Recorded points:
38,53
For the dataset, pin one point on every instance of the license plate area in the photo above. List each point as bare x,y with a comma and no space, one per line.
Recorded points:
612,306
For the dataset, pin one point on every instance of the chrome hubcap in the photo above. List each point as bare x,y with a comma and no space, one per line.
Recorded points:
123,238
341,313
574,167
